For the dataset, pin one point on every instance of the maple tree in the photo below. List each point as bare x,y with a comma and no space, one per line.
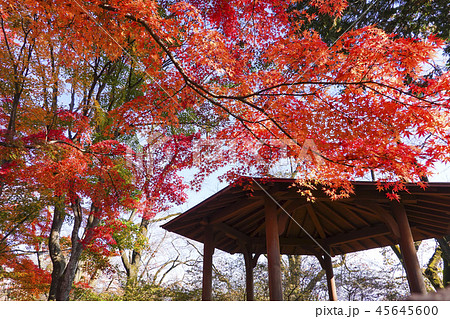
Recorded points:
406,19
82,81
73,160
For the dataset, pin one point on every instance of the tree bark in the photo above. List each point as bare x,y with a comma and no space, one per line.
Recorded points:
446,272
56,255
66,280
63,274
132,264
444,244
432,271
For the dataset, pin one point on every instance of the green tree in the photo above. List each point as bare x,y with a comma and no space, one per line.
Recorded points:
406,18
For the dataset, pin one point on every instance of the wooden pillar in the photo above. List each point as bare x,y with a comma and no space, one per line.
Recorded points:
208,251
249,291
273,250
250,263
406,241
331,283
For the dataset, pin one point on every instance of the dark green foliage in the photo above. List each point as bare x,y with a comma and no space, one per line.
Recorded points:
406,18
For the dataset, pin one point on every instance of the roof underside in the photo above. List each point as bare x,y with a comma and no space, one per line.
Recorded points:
359,222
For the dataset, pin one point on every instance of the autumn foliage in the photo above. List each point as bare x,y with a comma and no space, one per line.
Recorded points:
82,84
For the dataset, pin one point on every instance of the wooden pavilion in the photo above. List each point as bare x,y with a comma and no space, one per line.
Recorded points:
269,216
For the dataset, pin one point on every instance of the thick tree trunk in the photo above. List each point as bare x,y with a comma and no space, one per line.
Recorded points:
56,255
133,274
63,274
446,273
444,244
10,132
66,280
132,264
432,271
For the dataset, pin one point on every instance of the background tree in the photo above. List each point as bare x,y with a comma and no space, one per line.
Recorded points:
406,18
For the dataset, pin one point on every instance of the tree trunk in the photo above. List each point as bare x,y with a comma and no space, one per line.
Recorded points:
432,271
63,274
292,277
446,272
444,244
56,255
132,264
307,292
67,278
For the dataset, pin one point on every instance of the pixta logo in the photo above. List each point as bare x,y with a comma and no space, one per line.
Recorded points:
203,150
212,147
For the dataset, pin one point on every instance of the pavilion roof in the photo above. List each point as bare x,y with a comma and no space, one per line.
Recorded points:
362,221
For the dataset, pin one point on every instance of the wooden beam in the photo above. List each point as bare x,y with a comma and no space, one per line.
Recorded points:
412,267
273,250
288,206
384,216
221,202
208,251
359,234
215,203
233,233
413,210
438,189
424,221
283,222
299,216
315,221
347,210
250,220
234,210
425,232
298,213
324,209
304,241
328,222
361,208
369,193
434,200
430,209
437,209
